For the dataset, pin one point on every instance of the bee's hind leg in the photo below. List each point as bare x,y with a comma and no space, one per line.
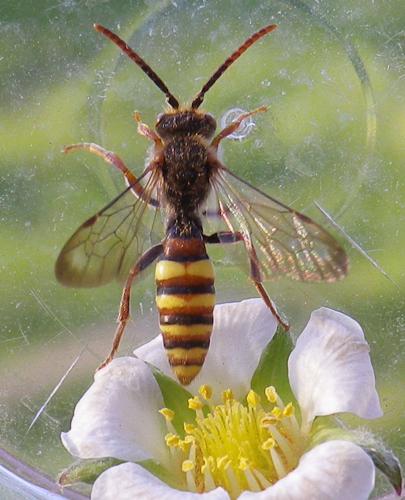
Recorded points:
123,315
233,237
260,288
255,276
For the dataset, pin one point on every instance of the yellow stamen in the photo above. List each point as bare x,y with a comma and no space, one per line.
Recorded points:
288,410
278,463
243,463
208,479
187,466
253,399
234,445
227,395
184,444
195,403
271,394
252,481
284,444
167,413
223,462
188,428
268,420
191,477
268,444
232,483
205,391
264,483
172,440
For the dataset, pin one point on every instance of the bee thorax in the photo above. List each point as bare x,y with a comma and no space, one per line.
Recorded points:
186,173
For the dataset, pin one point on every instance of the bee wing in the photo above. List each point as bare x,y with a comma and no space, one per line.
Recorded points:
285,242
108,244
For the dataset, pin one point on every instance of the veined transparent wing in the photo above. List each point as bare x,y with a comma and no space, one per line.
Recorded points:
108,244
283,241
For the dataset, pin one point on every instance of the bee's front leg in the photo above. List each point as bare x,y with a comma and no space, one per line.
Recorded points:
233,126
146,131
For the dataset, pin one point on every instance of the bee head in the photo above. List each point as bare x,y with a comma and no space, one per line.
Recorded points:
186,122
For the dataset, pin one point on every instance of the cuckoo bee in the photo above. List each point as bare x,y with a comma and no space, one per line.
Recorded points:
187,183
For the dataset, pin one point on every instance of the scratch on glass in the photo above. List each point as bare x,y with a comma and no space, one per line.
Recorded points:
56,388
355,244
27,403
50,313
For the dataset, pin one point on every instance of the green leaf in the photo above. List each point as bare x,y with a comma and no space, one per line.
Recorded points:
176,398
388,464
273,366
86,471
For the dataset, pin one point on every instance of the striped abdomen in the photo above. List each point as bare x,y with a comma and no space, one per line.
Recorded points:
185,300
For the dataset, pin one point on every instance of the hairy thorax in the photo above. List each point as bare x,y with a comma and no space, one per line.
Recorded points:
186,174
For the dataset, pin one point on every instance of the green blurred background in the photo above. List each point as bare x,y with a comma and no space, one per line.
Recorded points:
333,75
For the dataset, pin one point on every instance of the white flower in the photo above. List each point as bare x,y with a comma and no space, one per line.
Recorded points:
270,451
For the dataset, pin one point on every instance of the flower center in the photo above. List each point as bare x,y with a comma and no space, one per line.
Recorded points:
238,446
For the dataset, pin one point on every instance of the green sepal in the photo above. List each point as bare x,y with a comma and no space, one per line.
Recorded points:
327,429
273,366
387,463
86,471
176,399
160,472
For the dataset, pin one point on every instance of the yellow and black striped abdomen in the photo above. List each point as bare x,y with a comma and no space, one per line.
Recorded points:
185,300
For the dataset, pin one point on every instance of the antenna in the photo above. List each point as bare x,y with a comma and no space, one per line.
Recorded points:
231,59
174,103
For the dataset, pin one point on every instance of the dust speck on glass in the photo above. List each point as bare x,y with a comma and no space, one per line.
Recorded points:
331,145
245,128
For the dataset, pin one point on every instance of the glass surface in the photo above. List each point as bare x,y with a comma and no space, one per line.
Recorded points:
333,77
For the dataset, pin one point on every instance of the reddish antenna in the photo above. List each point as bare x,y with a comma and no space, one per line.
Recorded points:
231,59
174,103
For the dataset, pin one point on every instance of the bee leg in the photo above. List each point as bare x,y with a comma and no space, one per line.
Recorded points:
223,237
115,160
271,306
233,126
221,212
146,131
255,276
233,237
123,315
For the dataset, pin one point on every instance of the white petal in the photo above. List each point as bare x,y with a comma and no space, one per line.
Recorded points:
330,369
154,353
131,481
241,332
118,415
335,470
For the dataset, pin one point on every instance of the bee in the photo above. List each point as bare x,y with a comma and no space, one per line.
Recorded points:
187,183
